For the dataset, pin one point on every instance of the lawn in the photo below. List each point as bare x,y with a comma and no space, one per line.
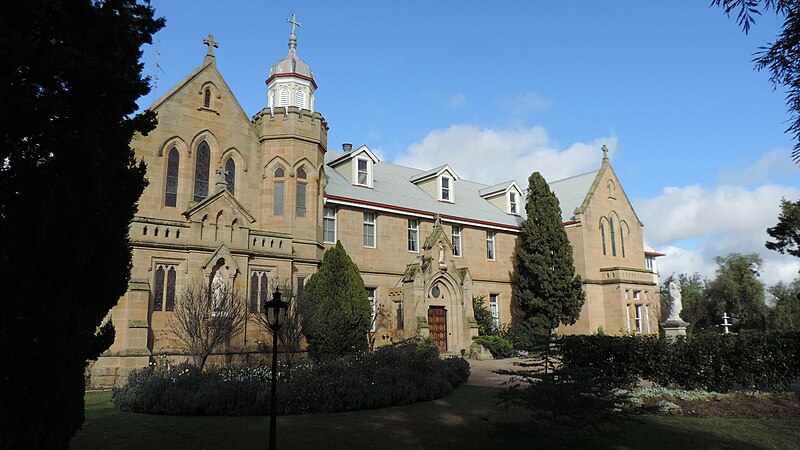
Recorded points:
468,418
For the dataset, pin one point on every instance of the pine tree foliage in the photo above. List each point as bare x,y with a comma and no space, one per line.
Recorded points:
549,292
335,309
69,184
787,231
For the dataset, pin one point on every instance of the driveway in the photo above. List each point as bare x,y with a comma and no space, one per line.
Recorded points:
482,372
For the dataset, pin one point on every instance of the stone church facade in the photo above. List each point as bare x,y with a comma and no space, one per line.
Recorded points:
258,200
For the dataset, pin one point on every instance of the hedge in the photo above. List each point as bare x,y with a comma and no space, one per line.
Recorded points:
719,362
389,376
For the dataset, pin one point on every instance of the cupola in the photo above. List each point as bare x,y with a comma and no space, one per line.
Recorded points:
291,82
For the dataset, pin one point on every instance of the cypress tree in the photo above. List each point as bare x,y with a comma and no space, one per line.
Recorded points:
69,184
549,292
335,309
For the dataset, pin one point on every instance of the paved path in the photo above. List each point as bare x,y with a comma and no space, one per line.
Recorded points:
482,372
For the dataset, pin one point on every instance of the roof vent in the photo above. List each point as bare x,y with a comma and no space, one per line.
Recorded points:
347,147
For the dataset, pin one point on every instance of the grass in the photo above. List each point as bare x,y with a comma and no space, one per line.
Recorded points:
468,418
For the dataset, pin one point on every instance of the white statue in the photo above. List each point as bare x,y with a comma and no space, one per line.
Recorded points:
441,253
675,305
218,289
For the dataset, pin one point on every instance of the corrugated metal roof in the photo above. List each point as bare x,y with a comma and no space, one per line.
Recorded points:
392,187
571,192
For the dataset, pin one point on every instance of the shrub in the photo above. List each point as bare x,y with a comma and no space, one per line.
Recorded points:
404,373
499,347
716,362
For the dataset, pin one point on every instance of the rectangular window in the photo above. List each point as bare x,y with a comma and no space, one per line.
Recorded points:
628,316
277,201
363,172
512,202
300,282
494,309
373,305
369,229
490,245
300,204
638,318
637,295
400,319
445,188
647,317
456,233
413,235
329,225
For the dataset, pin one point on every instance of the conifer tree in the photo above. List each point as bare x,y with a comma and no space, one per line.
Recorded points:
69,184
335,309
549,292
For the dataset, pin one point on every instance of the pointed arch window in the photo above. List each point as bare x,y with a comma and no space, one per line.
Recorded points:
277,192
207,98
201,171
164,292
622,238
300,98
613,237
284,96
230,175
603,235
171,188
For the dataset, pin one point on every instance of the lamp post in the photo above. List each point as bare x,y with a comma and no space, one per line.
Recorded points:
275,310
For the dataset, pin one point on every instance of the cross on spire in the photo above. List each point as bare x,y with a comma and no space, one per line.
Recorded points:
605,151
293,21
211,43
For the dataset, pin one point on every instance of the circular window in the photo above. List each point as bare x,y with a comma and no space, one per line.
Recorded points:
435,292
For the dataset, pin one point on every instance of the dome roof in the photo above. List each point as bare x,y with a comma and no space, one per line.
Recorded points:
291,64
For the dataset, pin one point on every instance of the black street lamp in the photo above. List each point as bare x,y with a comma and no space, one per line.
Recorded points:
275,310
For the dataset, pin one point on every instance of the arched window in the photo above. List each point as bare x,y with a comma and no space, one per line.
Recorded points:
622,237
613,237
158,292
301,173
300,98
207,98
284,96
603,235
171,189
277,192
201,172
230,174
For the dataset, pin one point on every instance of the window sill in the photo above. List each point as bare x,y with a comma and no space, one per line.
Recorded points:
203,108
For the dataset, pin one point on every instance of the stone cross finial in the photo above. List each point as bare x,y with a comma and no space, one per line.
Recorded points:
221,183
211,43
605,151
293,21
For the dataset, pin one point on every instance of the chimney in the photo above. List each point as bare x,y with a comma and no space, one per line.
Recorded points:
347,147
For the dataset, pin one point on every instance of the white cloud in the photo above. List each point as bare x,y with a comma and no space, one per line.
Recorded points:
770,166
457,100
522,105
719,221
490,156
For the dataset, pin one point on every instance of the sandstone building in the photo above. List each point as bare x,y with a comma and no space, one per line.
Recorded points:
260,199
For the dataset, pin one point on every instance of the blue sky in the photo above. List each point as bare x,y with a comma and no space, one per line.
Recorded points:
501,89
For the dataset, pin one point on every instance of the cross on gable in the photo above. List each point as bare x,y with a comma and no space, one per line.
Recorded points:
293,21
211,43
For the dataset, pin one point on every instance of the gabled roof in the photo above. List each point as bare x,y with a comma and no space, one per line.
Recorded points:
435,172
222,195
503,187
572,191
208,64
344,156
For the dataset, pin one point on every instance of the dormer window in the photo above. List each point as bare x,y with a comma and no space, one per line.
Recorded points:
512,203
445,192
362,175
356,165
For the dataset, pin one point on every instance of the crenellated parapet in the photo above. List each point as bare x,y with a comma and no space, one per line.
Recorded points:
290,122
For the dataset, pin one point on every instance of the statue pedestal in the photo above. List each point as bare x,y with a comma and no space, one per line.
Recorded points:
674,327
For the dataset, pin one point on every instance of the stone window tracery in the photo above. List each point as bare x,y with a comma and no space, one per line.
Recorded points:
171,188
230,174
164,288
201,168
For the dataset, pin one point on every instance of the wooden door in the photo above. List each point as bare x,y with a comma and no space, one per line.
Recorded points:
437,325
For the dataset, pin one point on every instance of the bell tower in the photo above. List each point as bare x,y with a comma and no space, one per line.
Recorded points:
293,139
